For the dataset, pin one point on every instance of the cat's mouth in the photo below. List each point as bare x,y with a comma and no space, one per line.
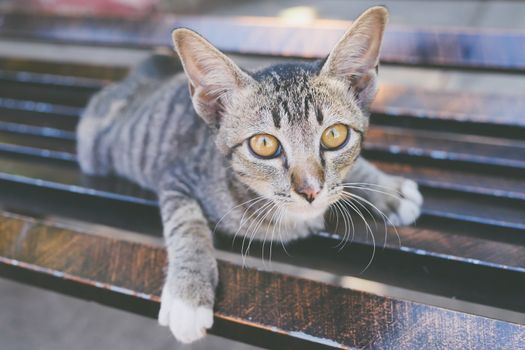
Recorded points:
306,210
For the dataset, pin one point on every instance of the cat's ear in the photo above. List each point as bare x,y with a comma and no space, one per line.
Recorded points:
356,56
213,77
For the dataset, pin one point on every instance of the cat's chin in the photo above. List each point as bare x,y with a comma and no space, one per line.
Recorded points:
307,212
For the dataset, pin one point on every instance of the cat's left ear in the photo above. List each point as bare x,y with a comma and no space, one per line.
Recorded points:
213,77
356,56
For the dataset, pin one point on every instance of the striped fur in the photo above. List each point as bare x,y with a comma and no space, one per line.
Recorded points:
190,147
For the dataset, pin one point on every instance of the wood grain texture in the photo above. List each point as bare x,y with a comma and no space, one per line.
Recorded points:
386,144
456,244
473,218
60,94
459,180
425,105
392,101
71,69
464,107
44,130
309,312
465,48
446,146
380,142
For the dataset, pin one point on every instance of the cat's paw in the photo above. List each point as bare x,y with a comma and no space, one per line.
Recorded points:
408,207
187,322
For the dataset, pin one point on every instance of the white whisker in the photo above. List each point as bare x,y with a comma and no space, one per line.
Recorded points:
257,212
369,229
256,229
235,207
383,215
266,233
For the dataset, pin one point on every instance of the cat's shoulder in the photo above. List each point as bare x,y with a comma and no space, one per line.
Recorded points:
156,66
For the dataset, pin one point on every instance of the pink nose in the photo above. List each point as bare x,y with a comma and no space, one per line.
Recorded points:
308,193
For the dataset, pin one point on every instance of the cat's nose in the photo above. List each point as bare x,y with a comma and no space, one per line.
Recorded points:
309,193
307,180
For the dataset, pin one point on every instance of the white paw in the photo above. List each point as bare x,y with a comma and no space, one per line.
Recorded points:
410,205
188,323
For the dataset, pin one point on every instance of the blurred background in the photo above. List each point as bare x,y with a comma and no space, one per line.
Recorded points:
36,319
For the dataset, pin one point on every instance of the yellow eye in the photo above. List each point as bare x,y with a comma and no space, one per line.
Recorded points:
265,145
334,136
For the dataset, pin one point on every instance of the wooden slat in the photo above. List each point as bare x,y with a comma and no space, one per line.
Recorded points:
452,207
67,179
308,313
36,130
47,88
466,48
446,146
485,209
50,81
424,105
89,71
448,244
464,107
46,147
458,279
451,179
387,140
44,108
458,180
488,114
380,143
384,143
480,209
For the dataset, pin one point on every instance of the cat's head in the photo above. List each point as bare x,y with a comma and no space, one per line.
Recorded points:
291,131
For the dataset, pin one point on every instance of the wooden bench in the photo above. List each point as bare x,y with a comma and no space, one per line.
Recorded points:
462,266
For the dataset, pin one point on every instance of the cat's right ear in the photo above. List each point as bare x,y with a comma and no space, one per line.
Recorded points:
213,77
356,56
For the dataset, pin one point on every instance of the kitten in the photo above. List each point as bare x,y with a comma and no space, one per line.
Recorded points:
259,154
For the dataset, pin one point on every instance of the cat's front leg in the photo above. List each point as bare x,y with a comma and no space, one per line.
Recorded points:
396,197
189,291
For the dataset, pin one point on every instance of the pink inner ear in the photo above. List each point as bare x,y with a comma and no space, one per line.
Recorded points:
191,88
360,82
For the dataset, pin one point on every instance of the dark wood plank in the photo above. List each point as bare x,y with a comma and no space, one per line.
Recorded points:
43,108
44,174
459,180
46,88
464,48
491,109
449,244
32,129
39,146
380,142
474,208
385,143
68,179
427,107
308,313
81,70
446,146
50,81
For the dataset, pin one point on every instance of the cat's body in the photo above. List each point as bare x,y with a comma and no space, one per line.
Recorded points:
200,150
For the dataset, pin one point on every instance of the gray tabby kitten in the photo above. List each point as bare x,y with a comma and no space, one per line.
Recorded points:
262,154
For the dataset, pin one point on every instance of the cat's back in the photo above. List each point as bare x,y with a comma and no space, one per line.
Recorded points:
135,127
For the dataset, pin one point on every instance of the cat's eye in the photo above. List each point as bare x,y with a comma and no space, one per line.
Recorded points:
335,137
265,146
